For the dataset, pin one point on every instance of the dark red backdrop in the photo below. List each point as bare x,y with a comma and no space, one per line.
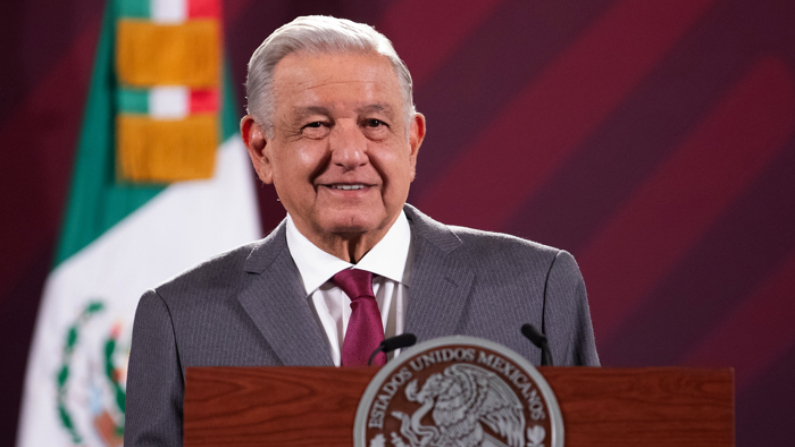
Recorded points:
652,139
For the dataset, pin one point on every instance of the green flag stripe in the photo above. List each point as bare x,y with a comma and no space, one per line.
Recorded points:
133,100
137,9
95,201
230,120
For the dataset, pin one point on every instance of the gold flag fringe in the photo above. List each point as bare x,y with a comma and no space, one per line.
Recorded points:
150,150
187,54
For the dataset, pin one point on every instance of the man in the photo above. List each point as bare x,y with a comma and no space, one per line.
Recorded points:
332,126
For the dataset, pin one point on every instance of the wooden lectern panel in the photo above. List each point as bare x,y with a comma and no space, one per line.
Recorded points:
273,406
295,406
645,406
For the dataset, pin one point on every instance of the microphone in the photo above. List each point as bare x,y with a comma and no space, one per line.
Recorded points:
540,340
390,344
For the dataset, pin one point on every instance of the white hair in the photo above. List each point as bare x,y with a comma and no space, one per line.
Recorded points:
316,35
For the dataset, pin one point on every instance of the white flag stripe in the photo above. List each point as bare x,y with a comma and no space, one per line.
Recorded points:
168,11
169,102
182,226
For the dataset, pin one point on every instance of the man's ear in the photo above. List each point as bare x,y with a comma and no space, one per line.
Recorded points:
416,135
257,144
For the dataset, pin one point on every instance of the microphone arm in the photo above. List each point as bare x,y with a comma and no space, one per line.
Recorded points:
540,340
390,344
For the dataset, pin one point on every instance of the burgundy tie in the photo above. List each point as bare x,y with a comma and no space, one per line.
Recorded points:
365,330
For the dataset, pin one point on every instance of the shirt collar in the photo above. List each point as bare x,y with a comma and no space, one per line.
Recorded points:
387,258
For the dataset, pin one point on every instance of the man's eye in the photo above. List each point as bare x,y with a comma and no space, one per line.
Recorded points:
315,126
315,129
374,123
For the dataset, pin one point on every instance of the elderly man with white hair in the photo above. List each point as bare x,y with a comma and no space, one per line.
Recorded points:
333,127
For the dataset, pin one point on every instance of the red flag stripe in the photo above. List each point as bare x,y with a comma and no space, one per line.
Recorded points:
425,33
558,111
679,202
204,101
757,333
204,9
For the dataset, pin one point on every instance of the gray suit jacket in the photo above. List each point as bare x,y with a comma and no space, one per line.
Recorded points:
248,308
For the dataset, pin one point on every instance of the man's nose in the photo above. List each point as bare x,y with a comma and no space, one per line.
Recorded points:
348,147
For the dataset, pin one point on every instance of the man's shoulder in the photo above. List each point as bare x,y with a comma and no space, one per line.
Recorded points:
487,241
213,272
225,271
488,250
479,243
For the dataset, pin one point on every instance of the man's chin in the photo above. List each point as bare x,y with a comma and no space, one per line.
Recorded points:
353,224
351,229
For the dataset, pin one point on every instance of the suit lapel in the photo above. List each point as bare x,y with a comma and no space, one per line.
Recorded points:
276,302
439,283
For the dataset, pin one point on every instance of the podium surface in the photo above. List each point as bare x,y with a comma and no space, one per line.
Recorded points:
311,406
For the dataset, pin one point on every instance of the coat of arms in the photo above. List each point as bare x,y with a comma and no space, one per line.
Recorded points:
458,392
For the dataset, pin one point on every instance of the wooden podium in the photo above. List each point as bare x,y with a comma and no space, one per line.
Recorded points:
302,406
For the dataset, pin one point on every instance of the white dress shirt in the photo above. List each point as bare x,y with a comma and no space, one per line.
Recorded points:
387,261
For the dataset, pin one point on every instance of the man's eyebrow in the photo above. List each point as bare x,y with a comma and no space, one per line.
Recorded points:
386,109
302,112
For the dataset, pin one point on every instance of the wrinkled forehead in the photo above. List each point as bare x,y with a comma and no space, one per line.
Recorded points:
355,79
301,111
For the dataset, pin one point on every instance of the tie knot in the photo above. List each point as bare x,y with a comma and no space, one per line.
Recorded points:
355,283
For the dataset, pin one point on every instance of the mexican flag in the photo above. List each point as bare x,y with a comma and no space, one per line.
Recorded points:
129,223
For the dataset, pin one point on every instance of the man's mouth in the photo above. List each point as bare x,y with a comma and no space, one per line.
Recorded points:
348,187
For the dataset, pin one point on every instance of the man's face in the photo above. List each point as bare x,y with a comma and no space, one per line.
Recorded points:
340,156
